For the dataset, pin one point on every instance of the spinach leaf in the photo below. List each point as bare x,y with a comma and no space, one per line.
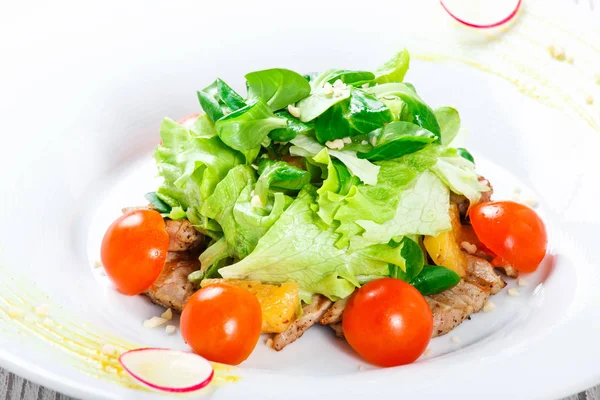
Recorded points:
415,109
449,122
246,128
397,139
413,260
277,87
229,96
366,113
351,77
293,128
393,70
464,153
158,203
333,124
320,99
279,175
210,105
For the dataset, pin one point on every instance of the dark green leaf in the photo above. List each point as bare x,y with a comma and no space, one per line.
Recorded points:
294,127
413,260
229,96
435,279
366,113
351,77
158,203
464,153
449,122
310,77
397,139
246,128
210,105
279,175
333,124
277,87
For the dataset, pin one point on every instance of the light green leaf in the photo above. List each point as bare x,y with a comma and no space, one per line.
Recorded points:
393,70
449,121
277,87
460,176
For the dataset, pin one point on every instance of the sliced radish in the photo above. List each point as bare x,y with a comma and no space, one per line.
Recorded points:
168,370
482,13
188,121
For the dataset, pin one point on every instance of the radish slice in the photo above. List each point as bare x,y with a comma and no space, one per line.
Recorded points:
188,121
167,370
482,13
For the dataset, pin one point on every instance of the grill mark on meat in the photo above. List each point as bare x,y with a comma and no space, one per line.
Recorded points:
482,273
312,313
182,235
334,314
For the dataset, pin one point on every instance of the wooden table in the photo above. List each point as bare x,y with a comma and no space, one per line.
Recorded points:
13,387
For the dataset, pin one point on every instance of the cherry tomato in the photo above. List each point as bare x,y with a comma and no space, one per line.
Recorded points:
134,250
511,230
388,322
222,323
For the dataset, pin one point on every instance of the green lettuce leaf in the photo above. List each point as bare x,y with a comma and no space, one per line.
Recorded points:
319,100
277,87
279,175
397,139
459,174
449,121
395,69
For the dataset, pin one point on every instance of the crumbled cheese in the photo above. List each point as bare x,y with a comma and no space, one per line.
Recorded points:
365,85
513,292
168,314
531,202
337,92
295,111
48,322
256,201
337,144
269,343
558,53
469,247
338,84
154,322
254,166
362,367
97,264
108,349
522,282
589,99
42,310
455,339
170,329
489,306
364,142
15,312
347,140
327,89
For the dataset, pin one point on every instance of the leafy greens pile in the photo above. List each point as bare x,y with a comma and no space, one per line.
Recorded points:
328,179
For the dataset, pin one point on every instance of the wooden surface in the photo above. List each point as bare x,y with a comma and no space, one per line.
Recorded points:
14,387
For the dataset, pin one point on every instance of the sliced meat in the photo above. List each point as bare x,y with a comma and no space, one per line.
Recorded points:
312,313
182,235
463,203
452,307
172,288
339,331
509,270
334,314
481,272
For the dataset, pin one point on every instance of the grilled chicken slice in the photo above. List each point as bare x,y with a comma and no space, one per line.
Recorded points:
172,288
312,313
339,331
182,235
481,272
334,314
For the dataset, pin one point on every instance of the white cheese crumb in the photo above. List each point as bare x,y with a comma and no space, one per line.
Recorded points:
489,306
337,92
15,312
97,264
269,343
347,140
362,367
42,310
295,111
364,142
48,322
589,99
327,89
108,349
337,144
531,202
455,339
254,166
427,352
168,314
154,322
522,282
469,247
365,85
338,84
256,201
170,329
513,292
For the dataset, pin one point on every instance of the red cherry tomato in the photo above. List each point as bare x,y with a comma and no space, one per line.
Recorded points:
134,250
388,322
222,323
511,230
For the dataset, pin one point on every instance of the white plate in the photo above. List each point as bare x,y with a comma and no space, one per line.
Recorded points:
84,88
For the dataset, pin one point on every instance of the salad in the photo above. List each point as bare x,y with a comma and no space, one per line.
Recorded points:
333,198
